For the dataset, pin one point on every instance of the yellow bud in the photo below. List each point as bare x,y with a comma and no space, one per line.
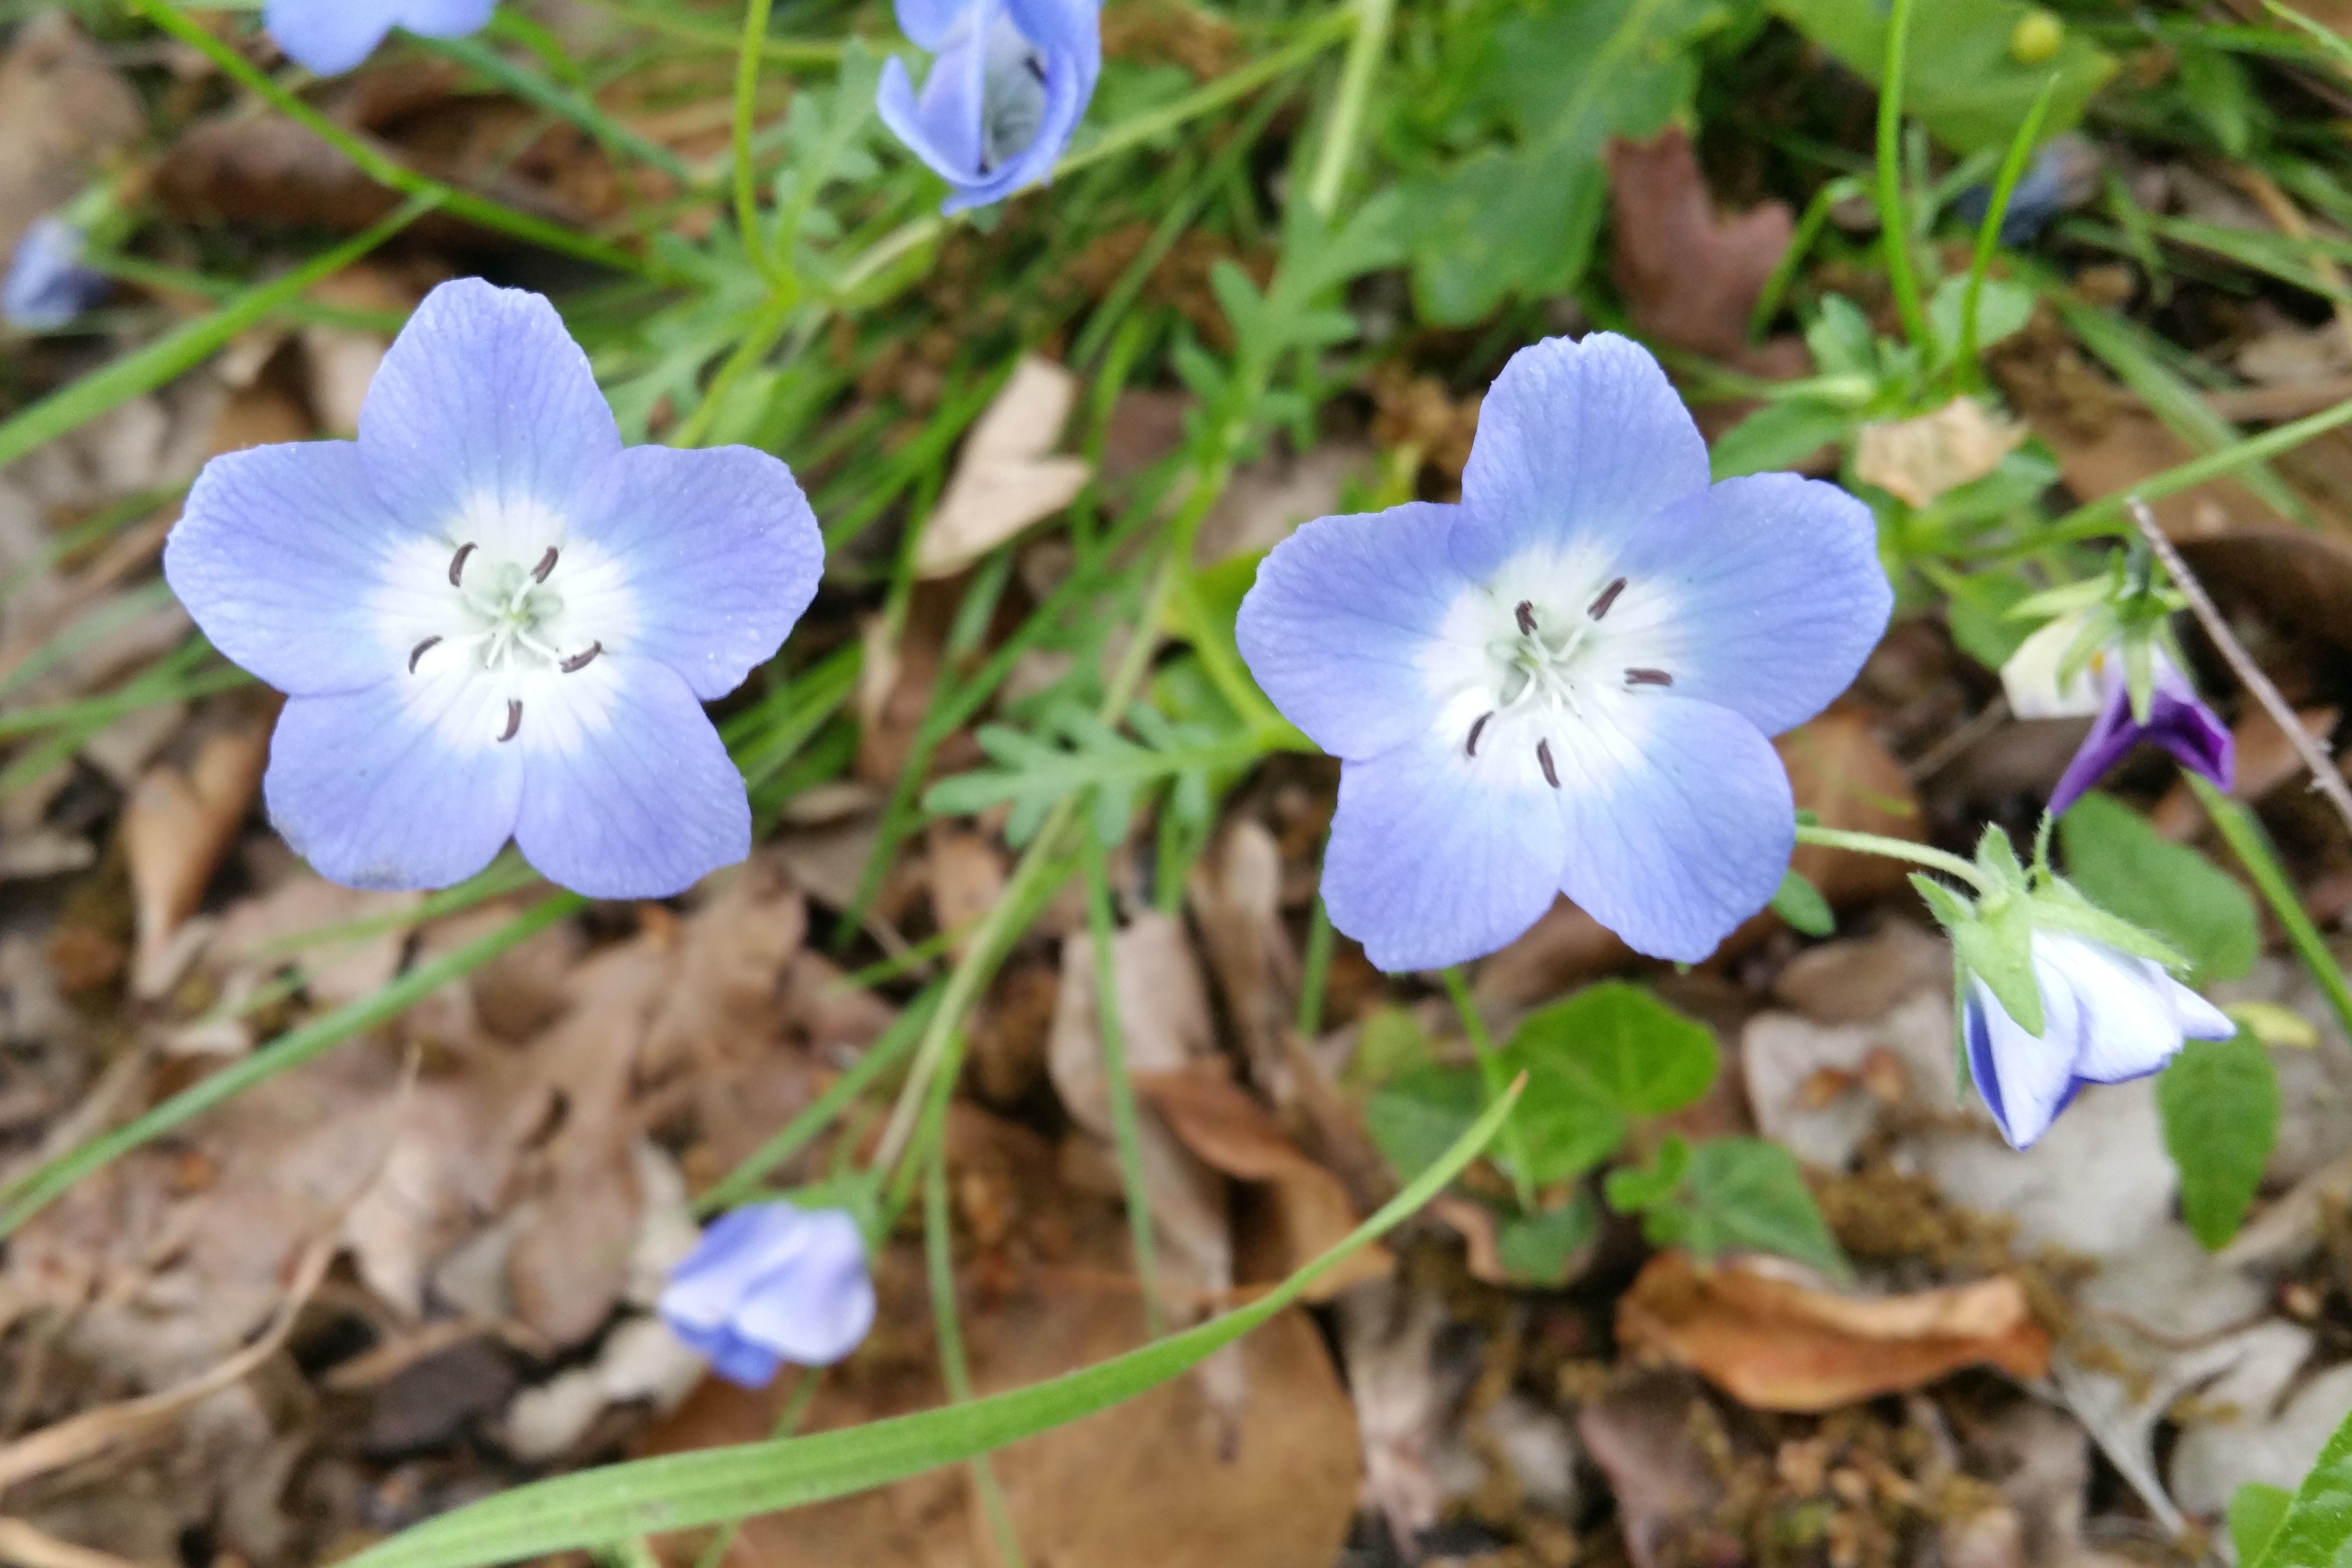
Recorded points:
2036,37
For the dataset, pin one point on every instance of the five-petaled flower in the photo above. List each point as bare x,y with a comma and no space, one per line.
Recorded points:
771,1284
1008,83
492,621
2178,720
47,286
2106,1015
330,36
1565,682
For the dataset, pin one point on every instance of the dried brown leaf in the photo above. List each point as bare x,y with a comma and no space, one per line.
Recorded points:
1918,460
175,829
1691,277
63,110
1004,481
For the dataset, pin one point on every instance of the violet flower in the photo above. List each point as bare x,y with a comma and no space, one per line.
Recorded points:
1008,82
2107,1017
47,286
771,1284
491,621
2176,721
330,36
1564,683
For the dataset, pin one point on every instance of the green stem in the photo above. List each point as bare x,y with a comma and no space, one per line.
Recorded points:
1316,976
1338,148
939,1265
1119,1088
2012,169
747,89
575,108
1894,850
1894,230
2244,836
1498,1079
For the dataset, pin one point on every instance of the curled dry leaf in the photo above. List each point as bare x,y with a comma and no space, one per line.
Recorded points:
1235,894
175,829
1004,481
1841,773
1691,277
967,877
1774,1343
1918,460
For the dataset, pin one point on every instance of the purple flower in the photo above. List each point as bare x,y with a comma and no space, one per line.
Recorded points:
1565,682
2107,1017
1005,90
330,36
2176,721
46,285
491,621
770,1284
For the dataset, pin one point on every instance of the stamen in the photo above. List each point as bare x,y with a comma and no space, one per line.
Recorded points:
1526,617
514,720
1036,68
1543,755
1648,678
1599,606
546,564
579,661
419,651
1474,728
458,565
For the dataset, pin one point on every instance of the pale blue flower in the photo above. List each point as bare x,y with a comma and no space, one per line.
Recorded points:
491,621
1008,82
1564,683
47,286
2107,1017
771,1284
330,36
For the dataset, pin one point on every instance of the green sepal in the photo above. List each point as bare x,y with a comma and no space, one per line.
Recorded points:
1993,941
2065,599
2058,906
2139,675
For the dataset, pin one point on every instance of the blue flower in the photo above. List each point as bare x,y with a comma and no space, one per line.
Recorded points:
46,285
491,621
330,36
2176,721
1565,682
2107,1017
1010,80
771,1284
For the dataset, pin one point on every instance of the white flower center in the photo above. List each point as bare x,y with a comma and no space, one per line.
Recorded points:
1012,96
502,619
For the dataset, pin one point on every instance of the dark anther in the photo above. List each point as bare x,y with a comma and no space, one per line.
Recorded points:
514,719
418,651
457,563
1599,606
1526,614
1543,755
1036,68
1648,678
579,661
546,564
1474,728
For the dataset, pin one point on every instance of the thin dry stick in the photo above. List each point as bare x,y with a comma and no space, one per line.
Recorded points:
2324,774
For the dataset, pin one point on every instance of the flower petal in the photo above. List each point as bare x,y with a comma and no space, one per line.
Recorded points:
1341,624
927,23
817,1304
715,552
2134,1014
1680,821
276,548
942,126
395,786
739,1249
630,794
1761,595
2176,721
1436,858
1580,443
2025,1081
327,38
47,286
445,18
485,418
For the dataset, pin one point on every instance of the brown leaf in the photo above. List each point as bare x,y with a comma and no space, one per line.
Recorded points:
1918,460
1234,892
1690,276
62,111
1643,1434
175,829
1776,1344
1004,481
1840,772
967,876
2264,760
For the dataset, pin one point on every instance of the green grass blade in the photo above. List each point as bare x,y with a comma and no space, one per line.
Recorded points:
1893,228
2243,834
2012,169
576,108
1119,1087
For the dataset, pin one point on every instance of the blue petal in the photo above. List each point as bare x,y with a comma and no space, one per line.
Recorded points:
1679,819
445,18
739,1360
2176,721
2025,1081
275,555
817,1304
927,23
2134,1014
47,286
630,794
328,36
1764,595
739,1249
716,549
396,785
1580,443
1336,626
942,126
1437,859
484,418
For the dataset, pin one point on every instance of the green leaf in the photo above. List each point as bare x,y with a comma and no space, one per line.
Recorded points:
1978,607
1780,435
1747,1195
1801,904
2255,1511
2123,866
1419,1115
1389,1043
1961,81
2220,1100
1503,221
1537,1248
2317,1531
1633,1189
2001,312
619,1502
1609,1053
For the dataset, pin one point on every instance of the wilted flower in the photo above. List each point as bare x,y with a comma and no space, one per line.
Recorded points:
1565,682
46,285
330,37
2107,1016
1007,85
771,1284
491,621
2040,686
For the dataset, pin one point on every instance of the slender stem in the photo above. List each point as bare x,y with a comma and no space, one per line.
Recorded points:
1894,230
1498,1079
939,1261
2245,838
1893,849
2012,169
1338,148
1316,974
2325,775
1119,1087
747,89
1210,96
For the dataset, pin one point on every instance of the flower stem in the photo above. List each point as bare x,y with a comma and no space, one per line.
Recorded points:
747,89
1894,226
1498,1082
1347,112
1893,849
